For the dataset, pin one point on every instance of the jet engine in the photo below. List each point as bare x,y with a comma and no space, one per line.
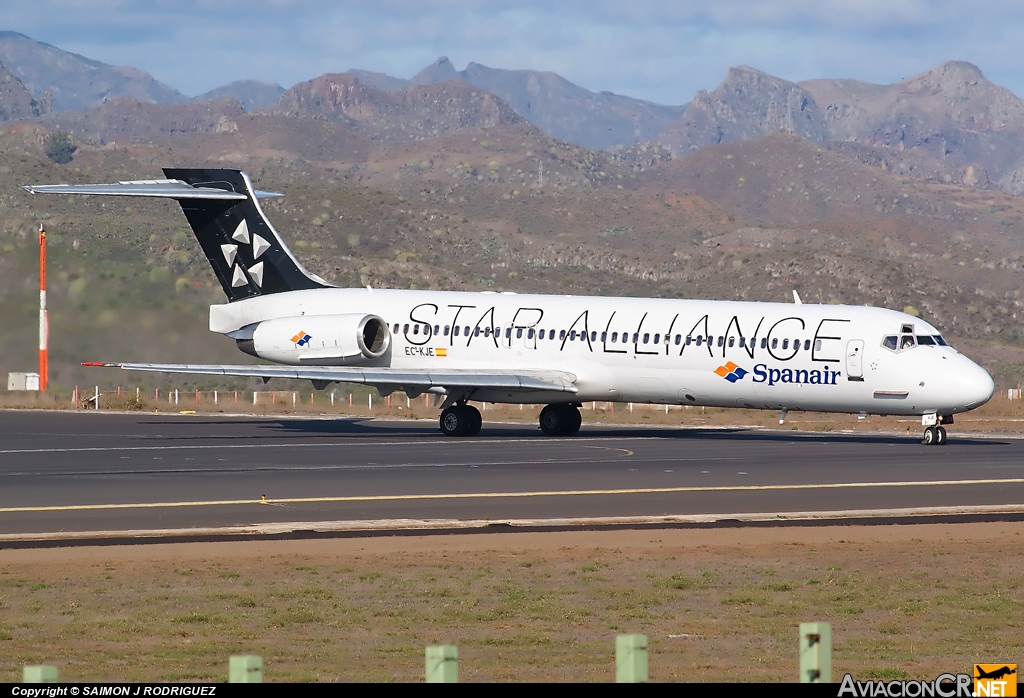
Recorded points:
325,340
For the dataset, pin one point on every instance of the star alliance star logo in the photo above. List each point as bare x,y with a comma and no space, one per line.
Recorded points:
731,372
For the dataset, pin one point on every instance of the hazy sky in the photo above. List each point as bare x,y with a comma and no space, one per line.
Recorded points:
662,50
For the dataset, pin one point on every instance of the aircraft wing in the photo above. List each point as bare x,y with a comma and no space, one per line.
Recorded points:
388,378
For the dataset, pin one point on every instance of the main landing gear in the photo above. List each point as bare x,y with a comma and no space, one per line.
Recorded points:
560,420
934,436
461,420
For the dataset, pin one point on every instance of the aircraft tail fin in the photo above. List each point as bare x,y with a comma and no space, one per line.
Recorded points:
248,256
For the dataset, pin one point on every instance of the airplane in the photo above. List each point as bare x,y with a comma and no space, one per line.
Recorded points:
504,347
995,674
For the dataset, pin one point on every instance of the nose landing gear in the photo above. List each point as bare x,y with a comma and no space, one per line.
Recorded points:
934,436
935,433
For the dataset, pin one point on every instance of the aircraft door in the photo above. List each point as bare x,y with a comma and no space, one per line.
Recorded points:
855,359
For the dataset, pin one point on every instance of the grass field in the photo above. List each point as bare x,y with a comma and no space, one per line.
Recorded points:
717,605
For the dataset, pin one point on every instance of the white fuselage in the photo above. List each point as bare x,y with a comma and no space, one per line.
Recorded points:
652,350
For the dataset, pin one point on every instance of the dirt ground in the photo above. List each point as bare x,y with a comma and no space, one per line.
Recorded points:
717,604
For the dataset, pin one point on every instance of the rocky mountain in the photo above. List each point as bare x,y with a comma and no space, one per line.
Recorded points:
251,94
129,120
414,112
16,101
561,109
381,81
948,124
747,104
77,82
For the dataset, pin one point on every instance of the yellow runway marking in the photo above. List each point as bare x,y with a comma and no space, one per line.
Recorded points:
500,495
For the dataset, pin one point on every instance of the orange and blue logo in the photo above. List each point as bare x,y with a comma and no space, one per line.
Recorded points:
302,339
731,372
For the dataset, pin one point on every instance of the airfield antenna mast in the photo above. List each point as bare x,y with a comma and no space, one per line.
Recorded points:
44,322
540,173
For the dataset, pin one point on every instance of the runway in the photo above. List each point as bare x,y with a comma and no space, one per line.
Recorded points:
67,474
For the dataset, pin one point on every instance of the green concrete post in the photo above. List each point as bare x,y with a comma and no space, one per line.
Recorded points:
442,664
40,673
245,669
631,659
815,653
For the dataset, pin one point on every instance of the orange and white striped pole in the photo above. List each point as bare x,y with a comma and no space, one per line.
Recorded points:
44,320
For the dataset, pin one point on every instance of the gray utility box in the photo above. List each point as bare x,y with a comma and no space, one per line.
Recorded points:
23,381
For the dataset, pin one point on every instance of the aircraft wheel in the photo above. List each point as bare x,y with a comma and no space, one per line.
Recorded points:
931,436
553,420
941,433
456,421
475,420
575,420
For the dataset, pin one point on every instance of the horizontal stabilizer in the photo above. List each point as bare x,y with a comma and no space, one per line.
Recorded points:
158,188
392,378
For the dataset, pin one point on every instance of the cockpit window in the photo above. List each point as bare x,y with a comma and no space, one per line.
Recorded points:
890,342
925,340
906,341
939,340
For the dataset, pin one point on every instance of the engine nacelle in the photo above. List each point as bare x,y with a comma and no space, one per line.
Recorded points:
324,340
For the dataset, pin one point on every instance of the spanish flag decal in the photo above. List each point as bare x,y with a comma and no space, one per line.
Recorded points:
440,351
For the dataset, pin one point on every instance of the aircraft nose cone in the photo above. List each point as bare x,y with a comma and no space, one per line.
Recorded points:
974,386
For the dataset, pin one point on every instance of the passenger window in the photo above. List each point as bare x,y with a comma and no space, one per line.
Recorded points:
541,335
455,332
593,336
529,334
437,329
561,334
636,338
395,329
700,339
476,331
405,328
906,341
604,336
785,344
764,342
925,340
572,335
743,342
446,329
807,345
487,332
615,337
732,341
465,330
519,333
508,333
721,341
890,342
775,343
657,338
817,345
679,339
647,337
688,340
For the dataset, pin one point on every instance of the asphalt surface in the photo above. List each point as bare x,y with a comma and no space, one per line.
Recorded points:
68,472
